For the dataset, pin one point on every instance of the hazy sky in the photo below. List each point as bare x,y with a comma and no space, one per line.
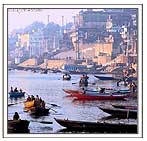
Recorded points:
19,18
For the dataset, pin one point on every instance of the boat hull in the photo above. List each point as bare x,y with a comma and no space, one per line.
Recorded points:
131,107
100,97
121,113
98,126
18,125
38,111
16,94
106,77
91,95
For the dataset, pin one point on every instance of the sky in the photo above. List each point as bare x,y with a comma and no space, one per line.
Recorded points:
20,18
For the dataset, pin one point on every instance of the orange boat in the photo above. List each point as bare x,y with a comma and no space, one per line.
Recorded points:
29,104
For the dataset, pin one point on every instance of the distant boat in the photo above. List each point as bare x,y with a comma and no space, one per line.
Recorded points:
44,72
66,77
99,126
16,94
106,77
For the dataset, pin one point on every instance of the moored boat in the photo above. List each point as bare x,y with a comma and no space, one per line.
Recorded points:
29,104
100,97
66,77
96,92
93,95
99,126
131,107
121,113
18,125
16,94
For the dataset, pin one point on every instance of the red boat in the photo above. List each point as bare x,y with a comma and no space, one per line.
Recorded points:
100,97
81,95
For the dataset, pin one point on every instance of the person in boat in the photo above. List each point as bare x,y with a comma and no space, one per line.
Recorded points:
16,116
42,104
20,90
102,90
84,80
15,90
29,98
37,101
133,87
66,76
11,89
40,100
32,98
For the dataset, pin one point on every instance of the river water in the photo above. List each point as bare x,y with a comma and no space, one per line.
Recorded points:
49,88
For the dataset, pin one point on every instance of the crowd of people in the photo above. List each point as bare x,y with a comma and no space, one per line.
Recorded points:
38,102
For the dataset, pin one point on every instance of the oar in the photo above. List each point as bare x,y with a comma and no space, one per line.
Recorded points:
74,83
55,105
15,103
53,110
88,83
43,122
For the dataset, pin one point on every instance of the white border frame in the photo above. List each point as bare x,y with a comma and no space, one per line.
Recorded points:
139,6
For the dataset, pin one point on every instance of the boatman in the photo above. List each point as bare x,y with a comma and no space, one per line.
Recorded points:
16,116
11,89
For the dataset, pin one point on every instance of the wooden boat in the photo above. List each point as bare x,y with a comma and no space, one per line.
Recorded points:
100,97
131,107
29,104
88,95
66,77
106,77
121,113
99,126
38,111
96,92
18,125
16,94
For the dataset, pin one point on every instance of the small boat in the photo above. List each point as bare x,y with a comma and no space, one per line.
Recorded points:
29,104
66,77
39,111
92,95
18,126
106,77
16,94
69,91
44,71
99,126
131,107
121,113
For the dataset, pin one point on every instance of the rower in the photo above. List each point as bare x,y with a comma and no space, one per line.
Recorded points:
20,90
16,116
15,90
102,90
11,89
29,98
